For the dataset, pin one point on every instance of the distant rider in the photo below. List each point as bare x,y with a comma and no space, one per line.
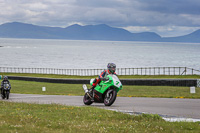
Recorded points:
5,81
111,68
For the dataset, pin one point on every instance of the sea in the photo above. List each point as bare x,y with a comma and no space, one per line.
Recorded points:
93,54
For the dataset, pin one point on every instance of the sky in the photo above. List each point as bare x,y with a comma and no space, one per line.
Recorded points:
168,18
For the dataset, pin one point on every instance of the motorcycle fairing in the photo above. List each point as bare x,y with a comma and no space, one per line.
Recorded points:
113,81
102,87
6,86
98,97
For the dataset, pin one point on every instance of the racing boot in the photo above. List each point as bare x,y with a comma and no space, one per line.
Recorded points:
91,93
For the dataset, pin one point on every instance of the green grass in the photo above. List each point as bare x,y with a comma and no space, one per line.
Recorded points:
30,87
120,76
159,91
53,118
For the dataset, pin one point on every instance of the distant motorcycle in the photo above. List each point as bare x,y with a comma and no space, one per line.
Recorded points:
5,91
105,92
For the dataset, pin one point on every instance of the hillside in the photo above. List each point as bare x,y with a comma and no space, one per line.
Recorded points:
88,32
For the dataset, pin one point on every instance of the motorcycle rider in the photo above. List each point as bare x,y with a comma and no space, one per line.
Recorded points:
5,81
111,68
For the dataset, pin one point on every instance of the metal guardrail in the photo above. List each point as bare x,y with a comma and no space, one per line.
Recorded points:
143,82
119,71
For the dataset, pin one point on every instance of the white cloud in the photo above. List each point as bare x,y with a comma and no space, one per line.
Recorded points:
105,15
194,19
38,6
136,29
163,31
164,17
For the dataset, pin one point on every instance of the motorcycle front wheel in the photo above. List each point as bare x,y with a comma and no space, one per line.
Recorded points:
110,97
87,99
7,94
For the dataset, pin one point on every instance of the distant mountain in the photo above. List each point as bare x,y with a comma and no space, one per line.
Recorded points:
88,32
21,30
73,32
97,32
193,37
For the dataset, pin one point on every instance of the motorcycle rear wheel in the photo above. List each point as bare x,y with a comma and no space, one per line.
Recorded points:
87,99
3,94
110,97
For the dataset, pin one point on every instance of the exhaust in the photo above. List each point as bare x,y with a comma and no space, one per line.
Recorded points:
85,88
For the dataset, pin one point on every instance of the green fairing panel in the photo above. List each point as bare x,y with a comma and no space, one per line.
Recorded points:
113,81
104,87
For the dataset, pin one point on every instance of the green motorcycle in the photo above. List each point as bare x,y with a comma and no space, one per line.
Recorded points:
105,92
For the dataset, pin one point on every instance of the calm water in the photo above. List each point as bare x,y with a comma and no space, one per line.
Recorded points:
35,53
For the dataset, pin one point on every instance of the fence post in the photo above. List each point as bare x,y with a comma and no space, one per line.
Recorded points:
185,70
169,70
174,71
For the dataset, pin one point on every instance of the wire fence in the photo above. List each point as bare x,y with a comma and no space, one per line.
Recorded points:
119,71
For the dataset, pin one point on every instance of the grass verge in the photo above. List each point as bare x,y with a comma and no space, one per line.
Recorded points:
30,87
23,118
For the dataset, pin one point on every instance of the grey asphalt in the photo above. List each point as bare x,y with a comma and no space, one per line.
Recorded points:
169,107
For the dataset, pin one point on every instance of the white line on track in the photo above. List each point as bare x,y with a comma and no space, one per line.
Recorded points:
165,117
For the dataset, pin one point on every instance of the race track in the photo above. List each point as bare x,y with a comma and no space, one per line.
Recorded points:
168,107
